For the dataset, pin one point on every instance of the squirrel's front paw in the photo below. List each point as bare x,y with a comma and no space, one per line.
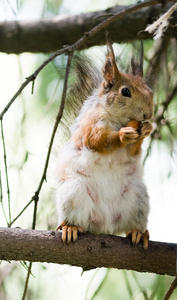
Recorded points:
128,135
146,129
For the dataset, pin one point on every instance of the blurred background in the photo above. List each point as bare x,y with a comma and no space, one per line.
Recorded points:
27,128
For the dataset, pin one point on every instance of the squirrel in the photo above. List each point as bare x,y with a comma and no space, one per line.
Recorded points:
99,171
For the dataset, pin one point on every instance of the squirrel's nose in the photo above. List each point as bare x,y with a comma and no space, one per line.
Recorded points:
147,116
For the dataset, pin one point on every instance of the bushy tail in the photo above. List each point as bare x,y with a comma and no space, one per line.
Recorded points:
84,78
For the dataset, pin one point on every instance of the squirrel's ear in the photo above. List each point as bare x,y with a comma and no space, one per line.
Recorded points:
137,67
110,70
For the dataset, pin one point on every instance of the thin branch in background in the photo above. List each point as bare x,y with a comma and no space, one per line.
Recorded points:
6,170
27,281
100,285
125,274
159,119
21,212
172,287
156,292
1,192
58,119
1,199
142,289
13,11
90,283
148,151
169,97
29,79
154,62
24,264
35,198
23,119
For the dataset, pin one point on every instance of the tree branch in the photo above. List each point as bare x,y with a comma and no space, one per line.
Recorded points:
48,35
172,287
90,251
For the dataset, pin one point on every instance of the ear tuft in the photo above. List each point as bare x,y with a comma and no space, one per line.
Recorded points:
137,67
110,70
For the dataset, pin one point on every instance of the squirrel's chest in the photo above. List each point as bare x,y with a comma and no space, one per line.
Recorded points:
106,177
98,191
112,177
109,184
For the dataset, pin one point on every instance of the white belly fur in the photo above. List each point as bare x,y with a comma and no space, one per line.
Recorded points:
101,193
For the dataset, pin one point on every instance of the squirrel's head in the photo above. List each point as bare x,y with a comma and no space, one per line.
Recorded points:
126,96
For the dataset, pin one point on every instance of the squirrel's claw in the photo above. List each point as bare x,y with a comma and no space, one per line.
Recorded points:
69,232
145,238
146,129
137,236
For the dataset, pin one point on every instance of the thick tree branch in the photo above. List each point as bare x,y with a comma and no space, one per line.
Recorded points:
90,251
48,35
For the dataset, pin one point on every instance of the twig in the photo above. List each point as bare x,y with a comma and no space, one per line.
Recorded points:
1,199
35,198
90,283
172,287
58,118
155,61
21,212
142,289
6,169
125,274
159,118
101,284
111,19
11,7
27,281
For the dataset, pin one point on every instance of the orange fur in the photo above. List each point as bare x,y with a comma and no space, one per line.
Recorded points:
97,137
135,124
91,135
135,148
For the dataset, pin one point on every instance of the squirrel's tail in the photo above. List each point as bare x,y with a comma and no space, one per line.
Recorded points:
84,78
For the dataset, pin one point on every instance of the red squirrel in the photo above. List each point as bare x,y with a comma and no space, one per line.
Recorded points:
99,171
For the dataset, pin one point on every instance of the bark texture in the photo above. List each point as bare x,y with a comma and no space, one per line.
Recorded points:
48,35
90,251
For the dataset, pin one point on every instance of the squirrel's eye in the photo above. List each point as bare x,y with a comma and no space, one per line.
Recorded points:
125,92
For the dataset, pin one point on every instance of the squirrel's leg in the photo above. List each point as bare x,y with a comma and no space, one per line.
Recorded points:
137,236
69,232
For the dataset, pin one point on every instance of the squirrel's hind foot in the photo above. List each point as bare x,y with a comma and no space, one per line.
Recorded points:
137,236
69,232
